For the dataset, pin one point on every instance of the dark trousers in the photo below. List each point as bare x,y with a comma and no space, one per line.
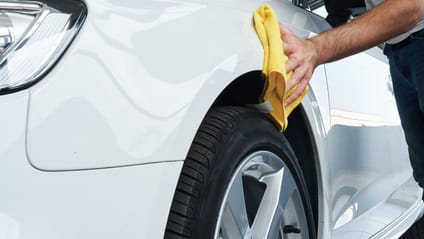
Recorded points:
407,69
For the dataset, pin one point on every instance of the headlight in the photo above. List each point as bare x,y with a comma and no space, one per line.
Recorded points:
33,36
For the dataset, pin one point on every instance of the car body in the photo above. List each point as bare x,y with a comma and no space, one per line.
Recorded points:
95,148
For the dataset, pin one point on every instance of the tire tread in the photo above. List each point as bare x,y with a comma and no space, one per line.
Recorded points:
215,127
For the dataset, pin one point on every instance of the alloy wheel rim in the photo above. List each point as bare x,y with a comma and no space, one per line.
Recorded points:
262,200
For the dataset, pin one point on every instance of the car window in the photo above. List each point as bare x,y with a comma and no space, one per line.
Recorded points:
308,4
316,4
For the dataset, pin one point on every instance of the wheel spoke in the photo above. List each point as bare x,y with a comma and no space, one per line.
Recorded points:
291,205
288,188
235,223
268,217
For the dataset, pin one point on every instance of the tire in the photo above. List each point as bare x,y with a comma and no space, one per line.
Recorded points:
237,156
416,231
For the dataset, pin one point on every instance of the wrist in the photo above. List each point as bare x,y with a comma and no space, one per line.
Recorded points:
314,52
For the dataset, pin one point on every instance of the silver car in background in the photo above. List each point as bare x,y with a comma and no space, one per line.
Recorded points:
133,119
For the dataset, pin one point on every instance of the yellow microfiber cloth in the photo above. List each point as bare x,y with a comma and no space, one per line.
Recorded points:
274,68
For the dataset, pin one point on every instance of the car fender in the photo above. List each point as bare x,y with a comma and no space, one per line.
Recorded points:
136,83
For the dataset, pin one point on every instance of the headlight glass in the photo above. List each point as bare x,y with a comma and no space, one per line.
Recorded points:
33,36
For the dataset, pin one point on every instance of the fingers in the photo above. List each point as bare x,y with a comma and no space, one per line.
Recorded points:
286,36
288,48
292,64
298,74
297,93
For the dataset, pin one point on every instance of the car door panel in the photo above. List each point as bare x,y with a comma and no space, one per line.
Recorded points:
368,164
368,155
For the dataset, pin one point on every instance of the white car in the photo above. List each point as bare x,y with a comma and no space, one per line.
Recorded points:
132,119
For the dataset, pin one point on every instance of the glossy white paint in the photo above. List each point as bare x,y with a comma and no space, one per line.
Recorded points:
131,202
147,74
13,119
12,150
133,88
368,151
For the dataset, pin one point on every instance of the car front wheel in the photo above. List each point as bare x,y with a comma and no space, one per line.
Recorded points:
241,179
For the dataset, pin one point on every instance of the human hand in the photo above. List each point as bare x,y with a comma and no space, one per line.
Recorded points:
302,61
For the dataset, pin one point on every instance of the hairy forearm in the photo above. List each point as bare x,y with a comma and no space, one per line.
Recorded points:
387,20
